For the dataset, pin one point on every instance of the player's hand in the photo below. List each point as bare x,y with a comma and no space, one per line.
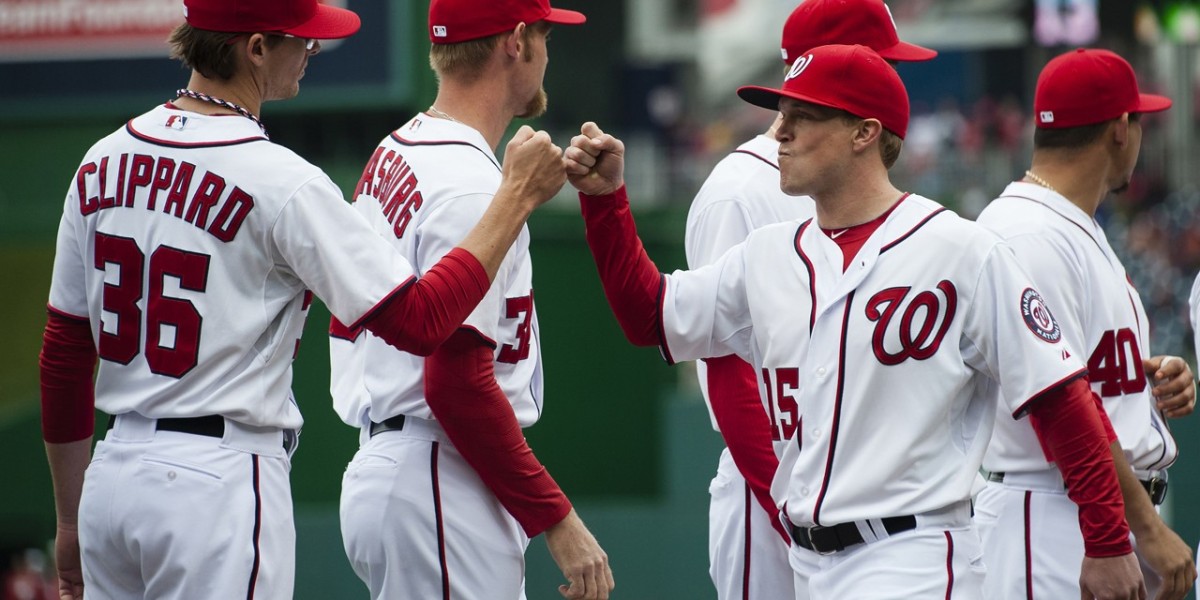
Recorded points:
595,161
581,559
1171,559
66,560
533,169
1112,578
1173,385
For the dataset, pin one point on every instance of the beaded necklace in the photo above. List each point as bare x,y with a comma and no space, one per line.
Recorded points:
224,104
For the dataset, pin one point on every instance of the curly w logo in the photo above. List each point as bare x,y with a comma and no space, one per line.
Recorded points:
798,67
916,332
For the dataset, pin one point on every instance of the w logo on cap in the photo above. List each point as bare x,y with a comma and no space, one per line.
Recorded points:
798,67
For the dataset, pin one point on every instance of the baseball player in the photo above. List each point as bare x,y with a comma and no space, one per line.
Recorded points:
746,558
1087,107
186,252
444,493
889,313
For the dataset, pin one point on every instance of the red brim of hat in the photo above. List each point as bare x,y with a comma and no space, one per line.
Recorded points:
560,16
330,23
1152,103
768,98
906,52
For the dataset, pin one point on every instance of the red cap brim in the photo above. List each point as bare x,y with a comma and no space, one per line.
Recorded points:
906,52
560,16
1152,103
768,98
330,23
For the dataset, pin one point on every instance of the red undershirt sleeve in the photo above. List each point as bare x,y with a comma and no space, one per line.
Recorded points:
461,390
733,392
1072,430
68,395
631,282
421,316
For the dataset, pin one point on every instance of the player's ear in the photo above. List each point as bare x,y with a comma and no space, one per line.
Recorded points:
866,133
1119,130
254,48
514,41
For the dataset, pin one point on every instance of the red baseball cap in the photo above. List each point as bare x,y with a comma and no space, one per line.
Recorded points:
1088,86
865,22
301,18
453,21
855,79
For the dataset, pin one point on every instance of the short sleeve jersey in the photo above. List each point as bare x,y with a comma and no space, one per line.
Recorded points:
1068,255
190,244
740,195
886,360
424,188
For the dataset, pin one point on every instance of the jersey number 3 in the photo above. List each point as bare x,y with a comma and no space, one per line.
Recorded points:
175,319
1117,364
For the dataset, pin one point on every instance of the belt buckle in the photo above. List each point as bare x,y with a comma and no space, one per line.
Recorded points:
1157,488
806,534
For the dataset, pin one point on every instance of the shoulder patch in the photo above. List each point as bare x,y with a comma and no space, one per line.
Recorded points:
1038,317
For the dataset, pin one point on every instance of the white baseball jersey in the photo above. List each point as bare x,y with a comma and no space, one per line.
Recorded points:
740,195
885,360
1194,303
747,559
1067,254
424,188
193,267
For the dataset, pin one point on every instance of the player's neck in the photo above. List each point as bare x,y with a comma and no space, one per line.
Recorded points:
1081,178
237,90
855,202
460,103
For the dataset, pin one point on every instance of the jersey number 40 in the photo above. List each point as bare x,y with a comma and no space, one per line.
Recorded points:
1116,364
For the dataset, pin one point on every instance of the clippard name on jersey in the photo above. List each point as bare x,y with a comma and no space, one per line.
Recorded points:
139,180
389,179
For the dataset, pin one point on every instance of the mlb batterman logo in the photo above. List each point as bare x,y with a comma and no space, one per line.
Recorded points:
798,67
1047,116
1038,318
439,31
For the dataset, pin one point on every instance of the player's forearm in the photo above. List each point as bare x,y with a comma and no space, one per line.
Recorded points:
499,227
462,393
733,392
67,464
631,282
1069,426
1139,511
420,317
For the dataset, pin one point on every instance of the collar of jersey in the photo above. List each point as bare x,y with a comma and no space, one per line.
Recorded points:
433,130
763,146
197,128
1055,202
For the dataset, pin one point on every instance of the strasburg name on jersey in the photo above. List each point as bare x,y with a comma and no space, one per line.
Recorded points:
424,189
889,358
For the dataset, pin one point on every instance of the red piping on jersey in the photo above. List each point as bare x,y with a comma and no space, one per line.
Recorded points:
662,336
949,565
378,305
1028,551
1028,404
812,277
1065,217
487,341
437,517
160,142
257,527
837,411
406,142
919,225
748,506
739,151
341,332
67,315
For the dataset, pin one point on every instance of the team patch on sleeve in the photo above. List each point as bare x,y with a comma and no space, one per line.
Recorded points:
1038,318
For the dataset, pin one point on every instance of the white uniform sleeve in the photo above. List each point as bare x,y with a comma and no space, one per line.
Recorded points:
1014,337
68,286
1058,275
705,311
713,230
334,251
1194,303
443,229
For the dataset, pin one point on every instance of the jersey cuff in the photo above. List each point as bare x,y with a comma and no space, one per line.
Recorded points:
1028,404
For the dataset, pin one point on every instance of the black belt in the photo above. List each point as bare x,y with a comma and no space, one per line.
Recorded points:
395,423
835,538
1156,486
211,425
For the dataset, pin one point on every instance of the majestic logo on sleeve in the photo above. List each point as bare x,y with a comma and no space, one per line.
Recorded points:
1038,318
798,67
923,322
